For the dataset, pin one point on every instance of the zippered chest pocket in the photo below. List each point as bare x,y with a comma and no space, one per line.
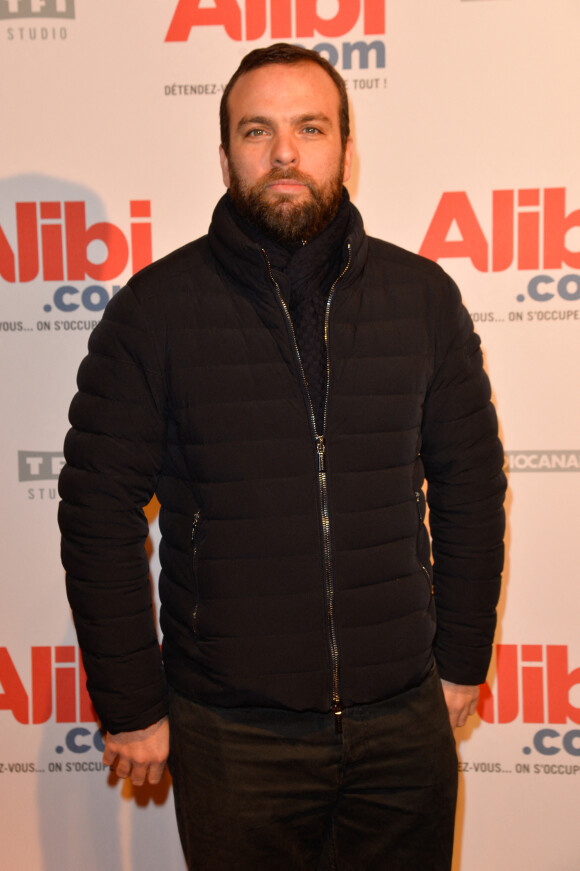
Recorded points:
195,547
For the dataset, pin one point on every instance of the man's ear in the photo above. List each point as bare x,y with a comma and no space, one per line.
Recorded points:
225,166
348,153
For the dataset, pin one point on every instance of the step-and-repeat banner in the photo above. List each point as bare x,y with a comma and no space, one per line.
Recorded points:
466,119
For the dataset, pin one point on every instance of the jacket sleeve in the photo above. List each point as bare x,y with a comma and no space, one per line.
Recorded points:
113,455
463,461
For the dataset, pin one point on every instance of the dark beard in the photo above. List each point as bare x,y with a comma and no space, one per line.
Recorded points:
292,225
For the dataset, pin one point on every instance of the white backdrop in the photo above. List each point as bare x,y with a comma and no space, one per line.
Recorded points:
467,126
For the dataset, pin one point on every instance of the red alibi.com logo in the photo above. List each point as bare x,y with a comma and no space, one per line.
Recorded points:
531,229
53,242
534,683
55,687
52,689
289,19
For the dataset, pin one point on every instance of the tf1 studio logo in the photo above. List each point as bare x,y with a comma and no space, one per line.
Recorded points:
40,468
39,465
10,9
54,241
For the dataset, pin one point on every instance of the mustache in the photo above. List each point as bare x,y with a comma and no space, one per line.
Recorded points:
283,174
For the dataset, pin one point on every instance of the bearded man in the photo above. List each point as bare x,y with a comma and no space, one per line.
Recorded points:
285,385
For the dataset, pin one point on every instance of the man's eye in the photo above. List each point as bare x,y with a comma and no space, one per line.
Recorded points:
311,130
257,131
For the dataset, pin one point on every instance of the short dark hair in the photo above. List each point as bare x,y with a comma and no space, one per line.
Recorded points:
283,53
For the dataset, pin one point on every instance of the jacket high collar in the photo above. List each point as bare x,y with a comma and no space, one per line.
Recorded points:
244,254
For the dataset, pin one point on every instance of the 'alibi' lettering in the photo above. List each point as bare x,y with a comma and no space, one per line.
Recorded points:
45,238
282,14
455,212
58,683
520,681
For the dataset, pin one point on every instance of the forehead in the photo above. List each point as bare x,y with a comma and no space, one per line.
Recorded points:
278,90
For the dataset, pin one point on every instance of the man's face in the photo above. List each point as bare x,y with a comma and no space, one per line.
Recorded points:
286,164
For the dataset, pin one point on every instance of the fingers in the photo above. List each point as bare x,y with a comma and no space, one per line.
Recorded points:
156,772
458,715
461,702
122,769
462,715
109,755
453,720
137,772
139,755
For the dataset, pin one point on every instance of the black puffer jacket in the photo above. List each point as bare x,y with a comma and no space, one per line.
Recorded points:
295,570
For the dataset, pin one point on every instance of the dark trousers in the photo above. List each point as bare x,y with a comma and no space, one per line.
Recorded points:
260,789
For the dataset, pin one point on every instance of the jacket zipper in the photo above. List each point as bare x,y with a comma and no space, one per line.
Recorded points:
424,568
320,445
194,545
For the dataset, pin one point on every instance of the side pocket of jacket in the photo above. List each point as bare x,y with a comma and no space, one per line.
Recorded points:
420,502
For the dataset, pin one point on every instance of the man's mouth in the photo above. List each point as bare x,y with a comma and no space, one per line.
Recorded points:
286,184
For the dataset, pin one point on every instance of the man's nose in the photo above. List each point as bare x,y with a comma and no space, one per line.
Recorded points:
284,149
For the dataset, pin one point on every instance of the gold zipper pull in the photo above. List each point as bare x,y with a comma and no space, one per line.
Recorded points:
321,448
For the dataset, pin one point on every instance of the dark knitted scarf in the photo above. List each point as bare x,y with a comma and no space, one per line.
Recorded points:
305,276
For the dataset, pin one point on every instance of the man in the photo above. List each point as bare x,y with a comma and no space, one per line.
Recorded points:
283,384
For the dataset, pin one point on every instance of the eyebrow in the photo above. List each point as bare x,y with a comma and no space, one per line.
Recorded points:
297,119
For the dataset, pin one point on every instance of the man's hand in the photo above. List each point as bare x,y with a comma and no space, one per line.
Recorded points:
461,701
140,755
